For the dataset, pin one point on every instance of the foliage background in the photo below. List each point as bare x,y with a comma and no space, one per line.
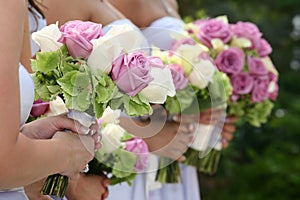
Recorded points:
261,163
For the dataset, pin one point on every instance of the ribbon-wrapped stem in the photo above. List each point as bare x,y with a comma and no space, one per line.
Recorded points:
56,184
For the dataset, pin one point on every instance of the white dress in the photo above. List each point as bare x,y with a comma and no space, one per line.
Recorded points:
26,99
159,34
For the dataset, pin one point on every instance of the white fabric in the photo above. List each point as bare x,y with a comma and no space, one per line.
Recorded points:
137,191
26,93
36,22
159,32
186,190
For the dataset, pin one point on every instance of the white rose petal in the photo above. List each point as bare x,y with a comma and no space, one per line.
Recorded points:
47,38
161,87
111,136
202,73
56,107
269,65
107,48
111,116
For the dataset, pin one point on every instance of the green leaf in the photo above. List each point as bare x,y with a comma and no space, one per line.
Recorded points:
181,101
124,165
136,106
47,61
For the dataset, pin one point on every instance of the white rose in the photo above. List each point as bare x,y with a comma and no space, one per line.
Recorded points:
202,73
241,42
107,48
111,136
161,86
56,107
269,65
191,52
111,116
47,38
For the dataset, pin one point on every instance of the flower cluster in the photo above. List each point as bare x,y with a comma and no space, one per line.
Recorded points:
95,70
123,155
91,71
240,51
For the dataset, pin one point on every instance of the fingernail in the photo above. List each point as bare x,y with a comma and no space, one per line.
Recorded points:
191,127
175,118
84,130
99,138
92,132
106,183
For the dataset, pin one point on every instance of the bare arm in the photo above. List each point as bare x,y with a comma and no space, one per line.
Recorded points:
24,160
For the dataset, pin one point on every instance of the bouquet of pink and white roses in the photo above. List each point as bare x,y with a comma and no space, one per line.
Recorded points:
240,51
241,54
91,70
199,85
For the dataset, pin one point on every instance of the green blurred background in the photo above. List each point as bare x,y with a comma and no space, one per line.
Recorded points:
261,163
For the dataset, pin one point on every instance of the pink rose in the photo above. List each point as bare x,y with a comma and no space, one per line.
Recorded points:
177,43
231,60
263,48
77,36
242,83
213,29
39,108
179,79
260,89
256,66
131,72
247,30
140,148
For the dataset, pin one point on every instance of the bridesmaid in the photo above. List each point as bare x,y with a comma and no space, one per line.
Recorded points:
157,20
21,153
103,12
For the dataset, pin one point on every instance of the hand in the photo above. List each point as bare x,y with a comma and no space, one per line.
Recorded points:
228,130
45,128
81,151
33,191
172,141
88,187
211,115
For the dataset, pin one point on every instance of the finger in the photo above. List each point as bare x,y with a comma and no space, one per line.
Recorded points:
231,119
187,128
186,118
105,195
74,176
227,136
181,159
229,128
225,143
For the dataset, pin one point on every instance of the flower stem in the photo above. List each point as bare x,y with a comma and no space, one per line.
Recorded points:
169,171
55,185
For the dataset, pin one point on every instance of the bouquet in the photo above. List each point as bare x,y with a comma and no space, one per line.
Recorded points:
123,155
240,52
198,86
91,71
